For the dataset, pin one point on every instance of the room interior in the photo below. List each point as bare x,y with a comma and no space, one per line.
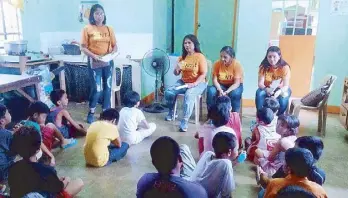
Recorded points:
312,39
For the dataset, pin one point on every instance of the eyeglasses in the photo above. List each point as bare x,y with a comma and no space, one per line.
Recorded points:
99,13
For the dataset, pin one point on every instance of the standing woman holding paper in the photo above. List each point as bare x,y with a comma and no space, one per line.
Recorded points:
192,66
98,40
274,80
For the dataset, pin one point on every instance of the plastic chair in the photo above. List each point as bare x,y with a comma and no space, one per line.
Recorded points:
296,106
118,63
198,100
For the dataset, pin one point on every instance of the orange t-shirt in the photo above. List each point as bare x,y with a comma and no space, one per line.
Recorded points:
277,184
227,74
192,67
272,74
100,40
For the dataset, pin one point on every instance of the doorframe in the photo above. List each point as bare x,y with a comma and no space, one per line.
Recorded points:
234,24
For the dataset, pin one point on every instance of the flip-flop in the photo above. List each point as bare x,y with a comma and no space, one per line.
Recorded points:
257,177
72,143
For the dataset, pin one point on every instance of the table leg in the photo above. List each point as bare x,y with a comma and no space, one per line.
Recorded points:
62,77
21,91
37,90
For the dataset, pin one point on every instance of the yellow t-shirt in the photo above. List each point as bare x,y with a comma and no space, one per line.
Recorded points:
100,40
227,74
98,138
272,74
192,67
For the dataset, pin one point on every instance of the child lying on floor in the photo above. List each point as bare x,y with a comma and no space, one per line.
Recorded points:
61,117
264,137
287,127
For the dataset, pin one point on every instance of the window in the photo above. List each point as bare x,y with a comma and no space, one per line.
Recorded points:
10,22
294,17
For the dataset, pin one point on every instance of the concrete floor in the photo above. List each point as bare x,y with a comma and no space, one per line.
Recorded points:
120,179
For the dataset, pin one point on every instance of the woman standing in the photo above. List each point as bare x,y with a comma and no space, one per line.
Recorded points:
98,40
274,78
193,67
227,79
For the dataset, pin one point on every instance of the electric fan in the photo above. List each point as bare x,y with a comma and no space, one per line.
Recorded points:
156,64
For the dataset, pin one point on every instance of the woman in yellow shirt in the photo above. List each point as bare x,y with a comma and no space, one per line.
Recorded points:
98,40
192,66
274,78
227,79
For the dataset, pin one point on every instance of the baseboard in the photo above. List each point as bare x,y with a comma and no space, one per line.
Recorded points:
333,109
248,103
147,100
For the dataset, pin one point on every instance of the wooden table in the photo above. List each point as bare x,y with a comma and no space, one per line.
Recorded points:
18,82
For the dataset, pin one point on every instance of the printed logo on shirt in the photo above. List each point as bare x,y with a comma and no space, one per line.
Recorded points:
271,144
164,186
225,76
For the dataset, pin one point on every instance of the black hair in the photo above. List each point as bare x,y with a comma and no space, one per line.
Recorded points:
110,115
26,142
91,14
212,112
165,153
195,42
39,108
3,110
223,142
294,191
272,103
300,161
281,62
229,50
131,98
292,123
314,144
56,95
265,115
223,107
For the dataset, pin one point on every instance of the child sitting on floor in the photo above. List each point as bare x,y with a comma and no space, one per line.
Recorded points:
61,117
264,137
6,157
28,176
287,127
133,126
37,117
103,143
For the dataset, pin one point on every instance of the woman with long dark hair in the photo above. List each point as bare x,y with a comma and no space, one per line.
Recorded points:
98,39
274,78
227,79
192,65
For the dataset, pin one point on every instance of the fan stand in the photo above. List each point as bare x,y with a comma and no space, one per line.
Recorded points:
156,106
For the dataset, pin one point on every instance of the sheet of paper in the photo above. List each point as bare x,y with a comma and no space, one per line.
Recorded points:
275,83
109,57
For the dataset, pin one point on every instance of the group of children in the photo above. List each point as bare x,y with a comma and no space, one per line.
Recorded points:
26,159
273,146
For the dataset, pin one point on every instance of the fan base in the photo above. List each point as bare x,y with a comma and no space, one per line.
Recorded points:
156,108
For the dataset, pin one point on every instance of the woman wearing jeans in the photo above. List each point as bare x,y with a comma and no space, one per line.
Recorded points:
274,77
193,67
98,40
227,79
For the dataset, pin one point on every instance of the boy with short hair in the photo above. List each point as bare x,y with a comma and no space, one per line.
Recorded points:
103,143
6,156
61,117
264,137
37,112
132,124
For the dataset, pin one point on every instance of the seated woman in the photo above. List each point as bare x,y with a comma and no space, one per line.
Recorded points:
227,79
274,77
193,67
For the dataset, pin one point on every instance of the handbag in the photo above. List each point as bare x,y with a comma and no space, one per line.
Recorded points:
95,64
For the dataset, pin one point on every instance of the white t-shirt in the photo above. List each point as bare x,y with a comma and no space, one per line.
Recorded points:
209,135
128,122
215,175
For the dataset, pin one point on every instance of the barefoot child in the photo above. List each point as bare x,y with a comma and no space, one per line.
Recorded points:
103,143
133,126
61,117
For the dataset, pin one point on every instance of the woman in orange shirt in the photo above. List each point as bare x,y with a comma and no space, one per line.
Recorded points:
274,77
192,65
227,79
97,41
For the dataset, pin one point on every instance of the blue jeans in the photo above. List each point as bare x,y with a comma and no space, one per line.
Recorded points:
190,96
115,153
283,101
234,95
101,81
261,194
